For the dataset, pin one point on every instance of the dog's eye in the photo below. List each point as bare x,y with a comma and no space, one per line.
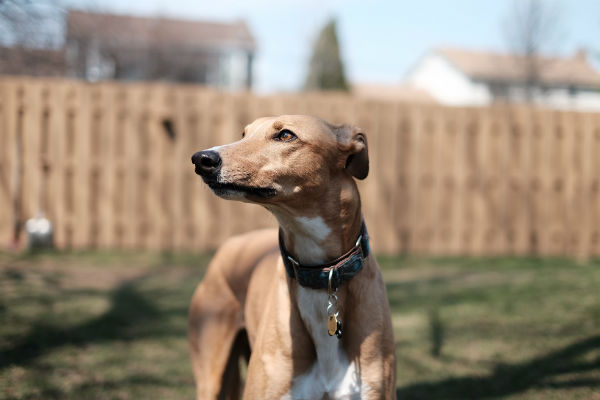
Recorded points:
243,134
285,136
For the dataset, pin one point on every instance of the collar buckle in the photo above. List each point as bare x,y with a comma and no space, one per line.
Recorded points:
295,265
358,241
330,290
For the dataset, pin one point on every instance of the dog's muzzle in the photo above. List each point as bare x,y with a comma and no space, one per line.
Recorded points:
208,163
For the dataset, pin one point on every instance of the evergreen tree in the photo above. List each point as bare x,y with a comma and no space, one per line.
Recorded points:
326,70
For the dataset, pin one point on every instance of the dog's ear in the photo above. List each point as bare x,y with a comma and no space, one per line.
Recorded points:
353,143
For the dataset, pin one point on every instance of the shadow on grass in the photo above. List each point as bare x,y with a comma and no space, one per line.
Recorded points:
100,390
507,379
126,318
417,292
436,332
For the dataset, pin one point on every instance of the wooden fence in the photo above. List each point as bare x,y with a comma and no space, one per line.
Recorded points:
443,180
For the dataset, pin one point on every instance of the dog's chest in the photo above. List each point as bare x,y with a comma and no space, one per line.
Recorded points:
332,374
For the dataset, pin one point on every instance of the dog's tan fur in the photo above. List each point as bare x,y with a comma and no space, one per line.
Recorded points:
317,205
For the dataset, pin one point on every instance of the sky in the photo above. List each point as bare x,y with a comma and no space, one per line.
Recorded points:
380,40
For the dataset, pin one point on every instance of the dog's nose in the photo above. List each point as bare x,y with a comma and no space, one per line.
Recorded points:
207,162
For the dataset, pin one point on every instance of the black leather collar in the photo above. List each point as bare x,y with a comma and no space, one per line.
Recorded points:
317,276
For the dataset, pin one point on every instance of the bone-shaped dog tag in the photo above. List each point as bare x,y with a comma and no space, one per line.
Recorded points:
332,324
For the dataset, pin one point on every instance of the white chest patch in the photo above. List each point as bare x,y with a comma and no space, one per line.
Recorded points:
308,242
332,373
316,227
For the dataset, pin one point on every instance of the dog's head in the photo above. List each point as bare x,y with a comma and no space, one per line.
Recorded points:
285,159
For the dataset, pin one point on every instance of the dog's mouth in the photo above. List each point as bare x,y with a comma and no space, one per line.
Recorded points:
225,189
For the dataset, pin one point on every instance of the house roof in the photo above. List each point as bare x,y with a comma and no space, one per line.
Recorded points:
113,29
35,62
391,92
490,66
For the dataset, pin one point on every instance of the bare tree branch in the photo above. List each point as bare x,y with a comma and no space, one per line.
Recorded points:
532,28
33,24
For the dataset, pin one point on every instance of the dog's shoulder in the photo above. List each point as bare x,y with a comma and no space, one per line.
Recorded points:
250,243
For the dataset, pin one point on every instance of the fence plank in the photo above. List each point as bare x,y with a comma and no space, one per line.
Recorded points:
475,223
401,166
457,129
594,187
5,170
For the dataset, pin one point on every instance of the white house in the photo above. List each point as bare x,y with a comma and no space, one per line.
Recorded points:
469,78
108,46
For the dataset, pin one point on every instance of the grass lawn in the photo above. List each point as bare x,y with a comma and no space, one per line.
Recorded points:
113,326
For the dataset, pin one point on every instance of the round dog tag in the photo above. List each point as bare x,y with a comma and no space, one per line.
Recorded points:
332,324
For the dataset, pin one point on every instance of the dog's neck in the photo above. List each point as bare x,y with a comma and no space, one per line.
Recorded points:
324,230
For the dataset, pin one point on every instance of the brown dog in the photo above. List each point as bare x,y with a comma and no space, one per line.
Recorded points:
318,329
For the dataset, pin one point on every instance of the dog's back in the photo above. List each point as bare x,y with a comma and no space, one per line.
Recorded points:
217,313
